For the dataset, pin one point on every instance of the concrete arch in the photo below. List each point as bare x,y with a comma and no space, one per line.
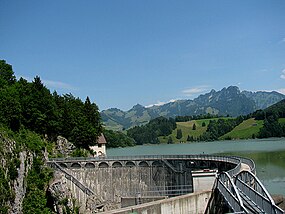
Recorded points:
130,164
89,165
103,165
213,165
117,164
191,164
75,165
143,164
203,164
157,164
63,165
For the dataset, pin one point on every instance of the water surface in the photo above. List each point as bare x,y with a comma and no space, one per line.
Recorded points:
268,155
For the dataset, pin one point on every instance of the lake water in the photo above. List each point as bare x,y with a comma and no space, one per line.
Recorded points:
268,155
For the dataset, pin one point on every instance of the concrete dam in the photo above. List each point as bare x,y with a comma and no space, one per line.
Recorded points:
163,184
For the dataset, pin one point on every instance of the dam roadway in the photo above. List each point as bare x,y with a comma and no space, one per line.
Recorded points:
166,184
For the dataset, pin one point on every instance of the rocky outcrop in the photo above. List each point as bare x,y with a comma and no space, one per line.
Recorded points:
64,198
61,194
26,161
63,147
16,164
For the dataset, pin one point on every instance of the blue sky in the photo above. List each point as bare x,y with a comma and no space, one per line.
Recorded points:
124,52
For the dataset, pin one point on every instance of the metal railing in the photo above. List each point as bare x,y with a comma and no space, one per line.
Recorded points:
230,193
229,159
252,189
246,187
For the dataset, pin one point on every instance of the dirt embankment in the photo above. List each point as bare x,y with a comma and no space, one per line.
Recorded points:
279,201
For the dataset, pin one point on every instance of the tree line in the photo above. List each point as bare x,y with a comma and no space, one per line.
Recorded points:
271,127
216,128
196,117
150,132
31,105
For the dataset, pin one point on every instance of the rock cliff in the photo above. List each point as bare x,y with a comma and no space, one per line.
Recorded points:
15,166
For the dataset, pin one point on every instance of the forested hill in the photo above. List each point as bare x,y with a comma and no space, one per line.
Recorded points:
31,119
30,105
266,123
228,101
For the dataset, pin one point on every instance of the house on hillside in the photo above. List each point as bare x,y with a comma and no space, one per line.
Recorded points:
99,150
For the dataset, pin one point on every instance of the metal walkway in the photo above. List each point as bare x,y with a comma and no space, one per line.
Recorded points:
244,193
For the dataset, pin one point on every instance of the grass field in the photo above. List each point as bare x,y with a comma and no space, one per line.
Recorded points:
186,128
245,130
281,120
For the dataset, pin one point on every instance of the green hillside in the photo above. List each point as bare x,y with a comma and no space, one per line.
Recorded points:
187,129
281,120
260,124
245,130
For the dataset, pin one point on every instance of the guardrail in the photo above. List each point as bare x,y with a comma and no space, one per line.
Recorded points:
229,191
250,187
230,159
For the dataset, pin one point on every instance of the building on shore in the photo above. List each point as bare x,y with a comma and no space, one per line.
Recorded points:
99,150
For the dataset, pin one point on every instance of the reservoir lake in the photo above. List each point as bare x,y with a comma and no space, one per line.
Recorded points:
268,155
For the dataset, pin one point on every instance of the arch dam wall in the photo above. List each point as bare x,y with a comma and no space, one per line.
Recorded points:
101,184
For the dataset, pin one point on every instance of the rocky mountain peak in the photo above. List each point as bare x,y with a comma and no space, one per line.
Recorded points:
228,101
138,107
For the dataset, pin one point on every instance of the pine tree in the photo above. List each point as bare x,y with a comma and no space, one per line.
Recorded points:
179,134
170,141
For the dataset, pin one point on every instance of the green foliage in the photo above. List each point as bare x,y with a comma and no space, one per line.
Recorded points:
277,111
5,192
195,117
272,116
12,168
29,112
80,122
30,140
178,134
218,128
117,139
79,152
190,138
271,128
35,202
32,106
67,209
202,132
35,199
7,76
169,141
10,113
247,129
149,133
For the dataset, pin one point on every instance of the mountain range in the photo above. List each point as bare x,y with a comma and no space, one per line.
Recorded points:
228,101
